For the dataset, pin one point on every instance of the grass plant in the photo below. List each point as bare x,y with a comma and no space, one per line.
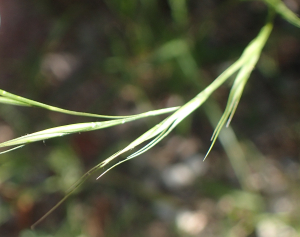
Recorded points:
242,67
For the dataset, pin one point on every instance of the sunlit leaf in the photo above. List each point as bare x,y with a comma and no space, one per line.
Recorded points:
79,127
9,98
249,58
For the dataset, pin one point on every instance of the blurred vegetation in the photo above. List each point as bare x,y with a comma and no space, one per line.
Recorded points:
120,57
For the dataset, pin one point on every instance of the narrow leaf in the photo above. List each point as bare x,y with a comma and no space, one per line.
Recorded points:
249,58
18,100
79,127
284,11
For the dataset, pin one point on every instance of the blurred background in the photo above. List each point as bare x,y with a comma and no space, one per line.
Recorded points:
121,57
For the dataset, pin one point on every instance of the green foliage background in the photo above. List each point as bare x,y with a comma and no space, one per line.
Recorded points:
127,57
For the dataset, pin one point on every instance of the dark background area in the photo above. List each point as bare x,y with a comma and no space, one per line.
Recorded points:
122,57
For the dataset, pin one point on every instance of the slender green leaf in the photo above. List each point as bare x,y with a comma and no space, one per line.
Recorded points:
284,11
79,127
249,58
10,98
5,100
11,149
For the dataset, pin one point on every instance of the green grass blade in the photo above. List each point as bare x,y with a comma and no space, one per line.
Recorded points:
79,127
10,98
5,100
284,11
15,148
156,130
249,58
152,143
